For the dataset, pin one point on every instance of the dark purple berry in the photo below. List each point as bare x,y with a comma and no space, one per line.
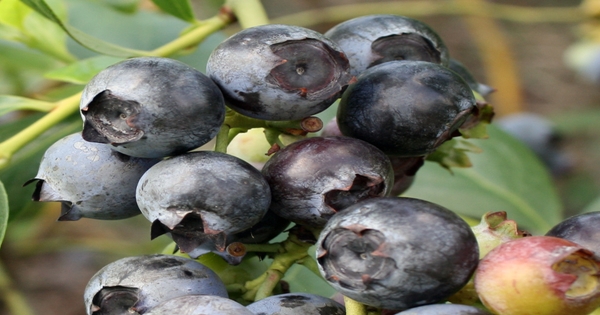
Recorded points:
151,107
314,178
279,72
445,309
200,305
405,108
90,180
133,285
583,229
297,304
397,253
374,39
201,197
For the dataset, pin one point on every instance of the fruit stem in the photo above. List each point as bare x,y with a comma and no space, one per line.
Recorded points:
249,13
292,251
354,307
263,248
61,110
204,29
222,139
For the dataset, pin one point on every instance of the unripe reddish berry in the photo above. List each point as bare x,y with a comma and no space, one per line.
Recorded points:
539,275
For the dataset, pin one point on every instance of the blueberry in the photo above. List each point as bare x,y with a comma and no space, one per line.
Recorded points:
279,72
151,107
581,229
297,304
201,197
133,285
314,178
397,253
200,305
405,108
445,309
374,39
89,179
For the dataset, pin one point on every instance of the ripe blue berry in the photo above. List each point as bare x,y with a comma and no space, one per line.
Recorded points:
374,39
444,309
405,108
201,197
90,180
151,107
397,253
133,285
314,178
200,305
279,72
297,304
581,229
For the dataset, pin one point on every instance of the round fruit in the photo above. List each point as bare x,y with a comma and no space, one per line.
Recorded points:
200,305
444,309
405,108
201,197
133,285
581,229
297,304
540,275
151,107
374,39
89,179
397,253
279,72
314,178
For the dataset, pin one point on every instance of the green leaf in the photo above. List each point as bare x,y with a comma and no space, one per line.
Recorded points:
9,103
178,8
3,212
82,71
82,38
21,23
506,176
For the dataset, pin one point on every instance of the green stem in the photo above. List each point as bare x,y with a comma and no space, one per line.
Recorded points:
13,299
293,251
249,13
222,139
63,109
263,248
354,307
193,37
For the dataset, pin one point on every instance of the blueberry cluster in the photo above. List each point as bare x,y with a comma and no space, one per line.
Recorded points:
400,97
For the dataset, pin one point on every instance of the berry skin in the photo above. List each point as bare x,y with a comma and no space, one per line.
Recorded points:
133,285
444,309
151,107
581,229
314,178
405,108
202,197
297,304
539,275
374,39
397,253
279,72
200,305
89,179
